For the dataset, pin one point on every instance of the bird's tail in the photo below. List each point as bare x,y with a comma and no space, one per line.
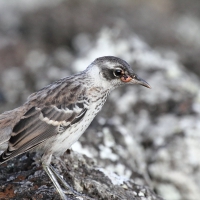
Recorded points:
7,121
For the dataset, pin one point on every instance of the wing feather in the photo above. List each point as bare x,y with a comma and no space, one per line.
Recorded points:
39,124
26,122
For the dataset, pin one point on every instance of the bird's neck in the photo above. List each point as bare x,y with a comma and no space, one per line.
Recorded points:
95,79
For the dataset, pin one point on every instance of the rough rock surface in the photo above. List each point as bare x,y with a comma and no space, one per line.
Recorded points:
24,179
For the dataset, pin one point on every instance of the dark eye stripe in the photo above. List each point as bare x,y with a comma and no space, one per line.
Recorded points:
111,74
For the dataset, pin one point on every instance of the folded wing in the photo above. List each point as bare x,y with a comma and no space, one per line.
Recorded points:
39,124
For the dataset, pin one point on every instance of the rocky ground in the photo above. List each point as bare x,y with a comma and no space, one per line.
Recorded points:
145,143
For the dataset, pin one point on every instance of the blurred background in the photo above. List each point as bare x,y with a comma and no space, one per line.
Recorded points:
150,133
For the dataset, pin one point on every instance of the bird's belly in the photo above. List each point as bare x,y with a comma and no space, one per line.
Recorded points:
64,140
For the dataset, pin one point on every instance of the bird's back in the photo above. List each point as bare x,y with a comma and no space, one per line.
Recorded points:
10,118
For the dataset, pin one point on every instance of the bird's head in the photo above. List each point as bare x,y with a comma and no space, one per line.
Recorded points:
114,72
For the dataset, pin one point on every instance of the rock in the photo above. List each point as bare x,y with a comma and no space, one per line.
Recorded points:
21,178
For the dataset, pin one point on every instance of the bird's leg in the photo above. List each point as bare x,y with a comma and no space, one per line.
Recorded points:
66,185
55,182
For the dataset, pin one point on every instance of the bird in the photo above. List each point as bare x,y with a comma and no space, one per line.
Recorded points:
54,118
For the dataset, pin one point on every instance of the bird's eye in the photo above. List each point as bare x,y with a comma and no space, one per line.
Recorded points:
117,72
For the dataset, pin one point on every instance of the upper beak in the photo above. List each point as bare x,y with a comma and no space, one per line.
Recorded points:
138,80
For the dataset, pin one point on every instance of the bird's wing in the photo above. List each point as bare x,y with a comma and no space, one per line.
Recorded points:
40,123
7,122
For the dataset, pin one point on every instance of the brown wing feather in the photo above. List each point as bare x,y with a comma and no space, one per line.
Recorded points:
36,127
43,118
7,122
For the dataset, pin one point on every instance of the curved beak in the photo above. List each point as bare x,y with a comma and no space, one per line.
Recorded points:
134,79
140,81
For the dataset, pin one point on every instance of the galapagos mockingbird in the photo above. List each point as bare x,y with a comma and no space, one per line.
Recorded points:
54,118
